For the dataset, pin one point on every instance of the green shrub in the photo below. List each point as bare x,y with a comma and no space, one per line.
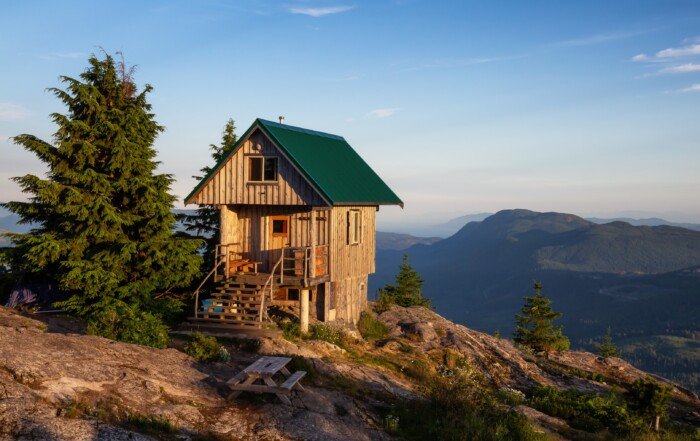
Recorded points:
206,349
370,328
456,409
290,330
649,399
125,324
331,334
586,411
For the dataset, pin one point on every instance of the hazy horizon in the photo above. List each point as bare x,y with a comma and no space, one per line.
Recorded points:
462,108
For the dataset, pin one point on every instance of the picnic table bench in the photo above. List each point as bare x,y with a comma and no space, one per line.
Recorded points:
263,369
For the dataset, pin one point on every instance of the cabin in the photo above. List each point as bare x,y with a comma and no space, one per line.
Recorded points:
297,231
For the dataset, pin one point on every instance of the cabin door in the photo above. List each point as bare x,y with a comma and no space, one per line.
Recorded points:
278,238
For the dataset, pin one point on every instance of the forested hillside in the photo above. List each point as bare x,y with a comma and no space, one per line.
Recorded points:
642,281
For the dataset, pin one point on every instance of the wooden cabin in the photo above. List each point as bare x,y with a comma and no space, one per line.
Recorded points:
298,212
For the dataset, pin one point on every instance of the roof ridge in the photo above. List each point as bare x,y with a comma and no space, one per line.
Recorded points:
300,129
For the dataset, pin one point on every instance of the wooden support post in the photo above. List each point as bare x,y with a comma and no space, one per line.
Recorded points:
304,310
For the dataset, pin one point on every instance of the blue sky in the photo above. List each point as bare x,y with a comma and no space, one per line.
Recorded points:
585,107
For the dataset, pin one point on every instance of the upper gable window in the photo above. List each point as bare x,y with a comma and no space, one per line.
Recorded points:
262,169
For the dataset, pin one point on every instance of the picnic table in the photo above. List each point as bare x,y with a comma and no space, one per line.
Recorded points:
263,369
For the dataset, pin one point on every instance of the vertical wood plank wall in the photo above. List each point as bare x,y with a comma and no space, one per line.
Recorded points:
230,184
352,260
351,264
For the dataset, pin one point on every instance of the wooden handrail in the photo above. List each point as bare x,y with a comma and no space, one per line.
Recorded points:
196,292
271,282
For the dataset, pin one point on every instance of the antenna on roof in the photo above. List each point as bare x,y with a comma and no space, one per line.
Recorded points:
281,119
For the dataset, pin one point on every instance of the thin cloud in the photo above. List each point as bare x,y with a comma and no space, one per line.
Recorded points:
12,112
382,113
599,38
670,53
683,68
678,69
320,12
693,88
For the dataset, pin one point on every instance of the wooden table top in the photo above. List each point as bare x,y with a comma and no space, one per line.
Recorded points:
267,365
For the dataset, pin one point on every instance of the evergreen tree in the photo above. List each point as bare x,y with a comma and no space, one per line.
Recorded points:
649,399
406,290
102,214
535,328
607,348
205,222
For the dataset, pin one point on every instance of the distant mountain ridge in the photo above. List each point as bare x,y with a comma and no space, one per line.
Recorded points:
400,241
641,280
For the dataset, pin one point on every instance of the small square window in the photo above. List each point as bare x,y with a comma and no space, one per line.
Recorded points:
279,227
262,169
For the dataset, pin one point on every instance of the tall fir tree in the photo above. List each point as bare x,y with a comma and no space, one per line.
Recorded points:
535,328
406,290
607,348
102,214
205,222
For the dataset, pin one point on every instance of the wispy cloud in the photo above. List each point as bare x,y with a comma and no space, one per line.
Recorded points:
677,69
459,62
599,38
63,55
382,113
11,112
693,88
682,68
321,11
670,53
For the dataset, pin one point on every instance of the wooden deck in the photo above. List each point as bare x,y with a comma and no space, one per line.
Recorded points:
260,279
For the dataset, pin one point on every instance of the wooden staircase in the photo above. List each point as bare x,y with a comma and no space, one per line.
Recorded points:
234,305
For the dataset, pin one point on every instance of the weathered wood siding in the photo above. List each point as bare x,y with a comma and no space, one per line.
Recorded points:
354,260
248,226
229,185
350,297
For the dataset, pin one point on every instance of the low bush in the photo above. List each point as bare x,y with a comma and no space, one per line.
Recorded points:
290,330
370,328
586,411
130,326
206,349
331,334
457,409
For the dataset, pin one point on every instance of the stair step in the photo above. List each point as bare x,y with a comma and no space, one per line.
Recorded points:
241,294
227,321
219,317
253,301
228,309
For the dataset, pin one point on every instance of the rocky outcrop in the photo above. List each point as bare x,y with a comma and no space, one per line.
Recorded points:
45,376
58,384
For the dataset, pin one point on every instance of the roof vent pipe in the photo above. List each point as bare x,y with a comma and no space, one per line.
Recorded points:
281,119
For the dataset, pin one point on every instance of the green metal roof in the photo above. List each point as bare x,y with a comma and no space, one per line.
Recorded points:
330,164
